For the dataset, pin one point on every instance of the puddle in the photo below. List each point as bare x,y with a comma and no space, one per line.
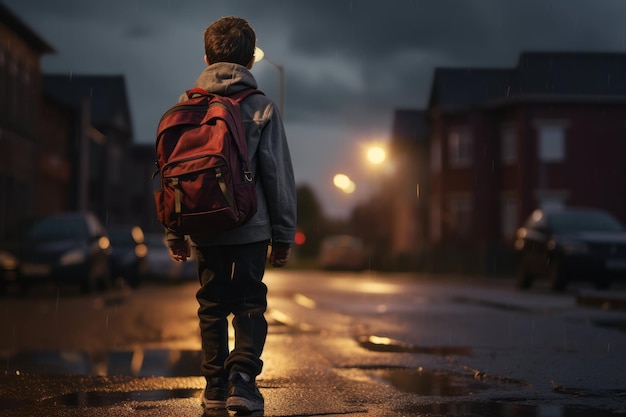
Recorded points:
495,409
140,362
107,399
442,383
490,304
385,344
619,325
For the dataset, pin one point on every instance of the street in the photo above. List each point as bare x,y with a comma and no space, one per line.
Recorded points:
362,344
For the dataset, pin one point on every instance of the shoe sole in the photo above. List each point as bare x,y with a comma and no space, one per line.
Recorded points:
213,404
243,405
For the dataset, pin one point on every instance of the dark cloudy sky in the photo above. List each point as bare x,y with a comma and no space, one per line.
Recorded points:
348,63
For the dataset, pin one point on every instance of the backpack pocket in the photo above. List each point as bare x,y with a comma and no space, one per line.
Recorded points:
197,195
159,204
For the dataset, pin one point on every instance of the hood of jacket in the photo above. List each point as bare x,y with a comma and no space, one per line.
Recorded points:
225,78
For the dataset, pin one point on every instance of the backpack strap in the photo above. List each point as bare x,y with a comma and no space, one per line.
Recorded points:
239,96
196,91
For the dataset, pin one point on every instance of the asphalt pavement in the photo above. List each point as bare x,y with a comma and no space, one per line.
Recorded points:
301,378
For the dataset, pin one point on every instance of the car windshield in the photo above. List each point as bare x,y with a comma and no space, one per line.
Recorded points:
121,237
568,222
58,228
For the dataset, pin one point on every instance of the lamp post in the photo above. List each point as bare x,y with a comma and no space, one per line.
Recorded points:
260,55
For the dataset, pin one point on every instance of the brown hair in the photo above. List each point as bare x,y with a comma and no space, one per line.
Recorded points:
229,39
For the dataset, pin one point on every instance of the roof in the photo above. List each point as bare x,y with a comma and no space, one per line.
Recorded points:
107,94
14,23
459,88
572,73
569,76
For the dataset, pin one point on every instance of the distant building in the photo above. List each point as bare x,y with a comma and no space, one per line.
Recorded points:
409,189
143,165
101,138
549,132
65,139
20,115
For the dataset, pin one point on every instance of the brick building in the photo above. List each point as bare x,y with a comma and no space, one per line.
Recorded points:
502,142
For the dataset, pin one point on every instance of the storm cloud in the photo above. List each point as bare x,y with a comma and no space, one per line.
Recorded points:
348,63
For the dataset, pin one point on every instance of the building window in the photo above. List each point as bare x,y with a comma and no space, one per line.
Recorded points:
549,202
460,148
508,145
551,199
435,156
461,216
551,142
508,218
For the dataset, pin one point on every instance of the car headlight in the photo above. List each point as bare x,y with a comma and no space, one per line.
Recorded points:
572,247
141,250
8,262
72,257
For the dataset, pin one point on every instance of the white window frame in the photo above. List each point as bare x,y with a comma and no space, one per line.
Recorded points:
548,199
551,140
460,147
461,208
508,143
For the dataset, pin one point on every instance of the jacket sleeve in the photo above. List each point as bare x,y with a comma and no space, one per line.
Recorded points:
171,238
276,173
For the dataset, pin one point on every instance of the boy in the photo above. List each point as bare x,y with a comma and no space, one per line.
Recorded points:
231,265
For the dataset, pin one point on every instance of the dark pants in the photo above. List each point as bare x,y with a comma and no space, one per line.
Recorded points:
231,282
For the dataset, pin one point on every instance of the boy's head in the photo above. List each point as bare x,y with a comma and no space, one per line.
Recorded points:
230,39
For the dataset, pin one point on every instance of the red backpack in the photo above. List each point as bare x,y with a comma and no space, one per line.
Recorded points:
201,156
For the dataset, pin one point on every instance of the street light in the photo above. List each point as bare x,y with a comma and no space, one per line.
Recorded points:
344,183
260,55
376,155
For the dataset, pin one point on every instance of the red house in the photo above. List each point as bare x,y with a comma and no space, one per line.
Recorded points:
502,142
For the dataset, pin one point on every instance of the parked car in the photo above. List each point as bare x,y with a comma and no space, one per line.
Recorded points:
128,255
70,247
8,269
570,244
342,252
161,267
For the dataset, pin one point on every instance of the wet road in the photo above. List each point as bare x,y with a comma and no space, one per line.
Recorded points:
339,344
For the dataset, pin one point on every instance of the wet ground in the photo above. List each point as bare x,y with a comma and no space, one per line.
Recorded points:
329,364
147,380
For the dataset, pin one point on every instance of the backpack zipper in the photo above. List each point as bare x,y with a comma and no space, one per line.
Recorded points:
199,107
177,202
222,183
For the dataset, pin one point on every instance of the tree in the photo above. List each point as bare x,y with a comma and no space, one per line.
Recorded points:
311,220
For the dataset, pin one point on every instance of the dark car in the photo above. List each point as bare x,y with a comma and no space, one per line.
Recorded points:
342,252
65,248
8,269
571,244
160,265
128,256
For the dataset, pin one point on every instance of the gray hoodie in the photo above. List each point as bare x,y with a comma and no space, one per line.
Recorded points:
269,157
